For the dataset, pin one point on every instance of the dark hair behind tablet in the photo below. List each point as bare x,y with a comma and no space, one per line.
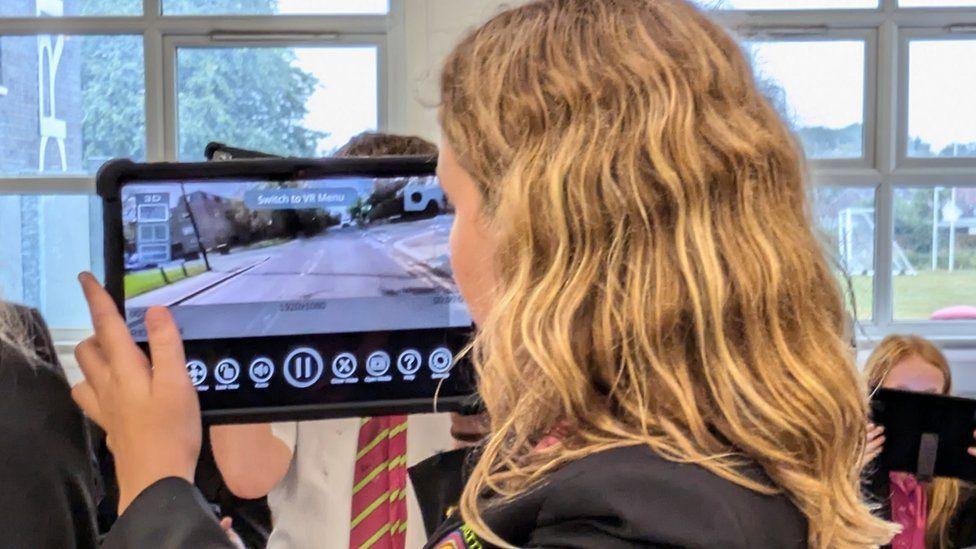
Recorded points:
369,144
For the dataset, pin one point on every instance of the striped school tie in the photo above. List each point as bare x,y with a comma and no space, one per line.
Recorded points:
379,506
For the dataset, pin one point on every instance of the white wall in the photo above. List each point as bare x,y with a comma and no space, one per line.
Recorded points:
963,361
430,29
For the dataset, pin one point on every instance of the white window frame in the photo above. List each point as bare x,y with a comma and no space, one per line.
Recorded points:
885,165
162,35
870,40
3,88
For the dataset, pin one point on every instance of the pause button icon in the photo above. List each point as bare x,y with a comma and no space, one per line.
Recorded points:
303,367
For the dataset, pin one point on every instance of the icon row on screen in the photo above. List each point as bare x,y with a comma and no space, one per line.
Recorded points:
303,367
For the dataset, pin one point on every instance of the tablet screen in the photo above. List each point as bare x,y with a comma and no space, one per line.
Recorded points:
253,258
299,292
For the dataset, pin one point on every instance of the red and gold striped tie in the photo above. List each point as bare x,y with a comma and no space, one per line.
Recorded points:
379,506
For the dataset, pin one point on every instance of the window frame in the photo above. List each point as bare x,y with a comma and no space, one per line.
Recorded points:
3,89
172,45
163,34
887,165
869,107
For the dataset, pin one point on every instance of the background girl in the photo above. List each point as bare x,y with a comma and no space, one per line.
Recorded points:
934,514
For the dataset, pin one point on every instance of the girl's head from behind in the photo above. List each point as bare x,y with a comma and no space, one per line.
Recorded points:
633,236
909,363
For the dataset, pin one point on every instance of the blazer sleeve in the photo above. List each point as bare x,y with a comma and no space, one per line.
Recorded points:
438,482
170,514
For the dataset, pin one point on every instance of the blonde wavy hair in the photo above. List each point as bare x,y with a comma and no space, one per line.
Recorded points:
943,494
658,279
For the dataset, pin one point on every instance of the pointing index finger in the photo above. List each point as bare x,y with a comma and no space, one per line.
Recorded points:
166,347
110,328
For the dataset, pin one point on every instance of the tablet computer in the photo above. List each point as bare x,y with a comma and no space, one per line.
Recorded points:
925,434
303,289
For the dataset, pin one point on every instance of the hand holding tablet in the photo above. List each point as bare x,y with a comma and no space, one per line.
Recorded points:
148,410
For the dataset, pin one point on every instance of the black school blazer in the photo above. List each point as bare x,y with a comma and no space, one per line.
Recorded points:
45,463
623,498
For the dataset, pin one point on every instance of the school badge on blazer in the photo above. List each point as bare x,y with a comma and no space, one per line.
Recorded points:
462,538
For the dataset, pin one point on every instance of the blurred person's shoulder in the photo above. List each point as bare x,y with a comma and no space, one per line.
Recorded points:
46,467
33,390
632,497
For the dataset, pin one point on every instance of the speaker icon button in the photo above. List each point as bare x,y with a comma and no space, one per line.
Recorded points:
261,370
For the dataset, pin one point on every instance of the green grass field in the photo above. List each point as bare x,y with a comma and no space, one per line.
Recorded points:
917,297
140,282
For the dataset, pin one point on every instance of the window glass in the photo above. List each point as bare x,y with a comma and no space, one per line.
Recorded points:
787,4
845,217
72,103
275,7
69,8
941,105
46,242
934,253
288,101
822,98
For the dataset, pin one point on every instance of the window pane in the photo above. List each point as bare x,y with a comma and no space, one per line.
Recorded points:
934,252
941,107
82,104
46,242
822,98
289,101
787,4
845,217
274,7
64,8
936,3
